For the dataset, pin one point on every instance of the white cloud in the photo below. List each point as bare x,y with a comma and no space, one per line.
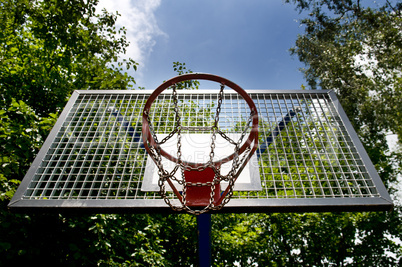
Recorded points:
137,16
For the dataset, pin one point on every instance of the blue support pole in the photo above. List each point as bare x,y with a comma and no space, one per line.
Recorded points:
204,239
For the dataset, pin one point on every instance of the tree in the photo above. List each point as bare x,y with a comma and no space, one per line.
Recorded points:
356,50
49,49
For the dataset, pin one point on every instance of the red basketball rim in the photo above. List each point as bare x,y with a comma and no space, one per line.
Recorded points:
146,133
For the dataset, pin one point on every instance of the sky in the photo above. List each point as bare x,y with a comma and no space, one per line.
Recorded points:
246,42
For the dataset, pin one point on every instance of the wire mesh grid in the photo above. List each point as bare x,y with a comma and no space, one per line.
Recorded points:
312,155
305,149
97,152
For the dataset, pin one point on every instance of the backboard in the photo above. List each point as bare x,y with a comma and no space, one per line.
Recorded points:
309,157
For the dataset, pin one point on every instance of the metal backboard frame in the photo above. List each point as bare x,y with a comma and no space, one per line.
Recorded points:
309,158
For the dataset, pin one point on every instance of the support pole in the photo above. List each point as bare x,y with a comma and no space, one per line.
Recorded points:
204,239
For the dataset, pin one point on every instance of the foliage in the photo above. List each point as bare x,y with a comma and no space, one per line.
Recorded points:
51,48
181,69
77,240
356,51
311,239
21,136
48,49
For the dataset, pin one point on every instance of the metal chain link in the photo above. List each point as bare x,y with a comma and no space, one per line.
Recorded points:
215,126
218,177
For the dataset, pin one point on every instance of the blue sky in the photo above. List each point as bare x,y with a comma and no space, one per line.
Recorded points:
244,41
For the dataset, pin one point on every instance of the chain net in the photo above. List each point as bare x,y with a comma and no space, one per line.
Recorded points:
178,173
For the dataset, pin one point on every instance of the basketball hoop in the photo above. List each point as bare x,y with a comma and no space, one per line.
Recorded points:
200,183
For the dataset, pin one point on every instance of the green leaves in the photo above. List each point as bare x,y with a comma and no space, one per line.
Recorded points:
130,240
20,139
353,49
7,187
181,69
48,49
57,48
